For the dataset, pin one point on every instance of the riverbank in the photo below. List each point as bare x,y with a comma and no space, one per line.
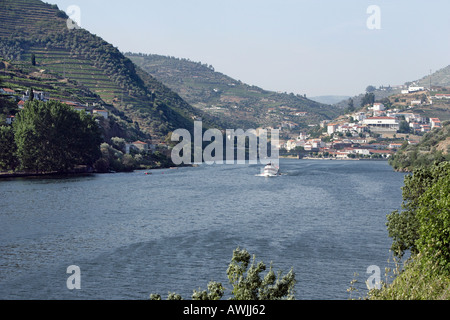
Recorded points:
334,159
80,172
339,159
7,175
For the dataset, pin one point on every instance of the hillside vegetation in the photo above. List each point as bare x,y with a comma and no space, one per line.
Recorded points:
439,78
14,76
215,93
423,229
31,29
433,147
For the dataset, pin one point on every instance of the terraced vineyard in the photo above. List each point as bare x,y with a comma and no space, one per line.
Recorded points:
33,20
15,77
79,69
32,28
29,17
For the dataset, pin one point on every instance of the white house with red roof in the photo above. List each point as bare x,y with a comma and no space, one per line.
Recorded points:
435,123
425,128
331,128
442,96
7,91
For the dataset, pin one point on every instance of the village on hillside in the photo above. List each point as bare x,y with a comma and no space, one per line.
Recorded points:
373,132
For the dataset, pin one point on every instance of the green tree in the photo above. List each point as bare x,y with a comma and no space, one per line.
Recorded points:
368,99
433,217
404,127
424,228
244,274
8,159
248,284
350,106
33,59
404,226
118,143
7,107
370,89
53,137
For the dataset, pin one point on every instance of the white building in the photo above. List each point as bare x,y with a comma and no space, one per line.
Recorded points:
331,128
359,116
361,151
378,107
37,95
316,143
7,91
435,123
409,117
415,89
382,123
290,145
442,96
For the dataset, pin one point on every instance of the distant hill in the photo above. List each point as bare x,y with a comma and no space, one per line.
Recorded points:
218,94
32,28
329,99
379,94
439,78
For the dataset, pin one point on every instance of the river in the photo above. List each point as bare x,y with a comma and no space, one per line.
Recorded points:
132,234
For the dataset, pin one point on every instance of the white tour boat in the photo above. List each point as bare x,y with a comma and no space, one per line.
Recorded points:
271,170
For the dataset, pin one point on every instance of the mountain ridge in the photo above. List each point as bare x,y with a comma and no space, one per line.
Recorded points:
243,104
34,29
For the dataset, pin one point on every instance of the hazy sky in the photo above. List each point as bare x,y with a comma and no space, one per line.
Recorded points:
312,47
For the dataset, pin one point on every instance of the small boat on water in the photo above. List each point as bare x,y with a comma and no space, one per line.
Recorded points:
270,170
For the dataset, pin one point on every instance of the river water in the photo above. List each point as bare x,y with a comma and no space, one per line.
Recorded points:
132,234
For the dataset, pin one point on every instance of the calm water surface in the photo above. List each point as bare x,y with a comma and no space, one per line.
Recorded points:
133,234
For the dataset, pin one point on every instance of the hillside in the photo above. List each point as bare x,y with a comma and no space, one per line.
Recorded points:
20,81
218,94
438,81
434,146
439,78
379,94
31,28
329,99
